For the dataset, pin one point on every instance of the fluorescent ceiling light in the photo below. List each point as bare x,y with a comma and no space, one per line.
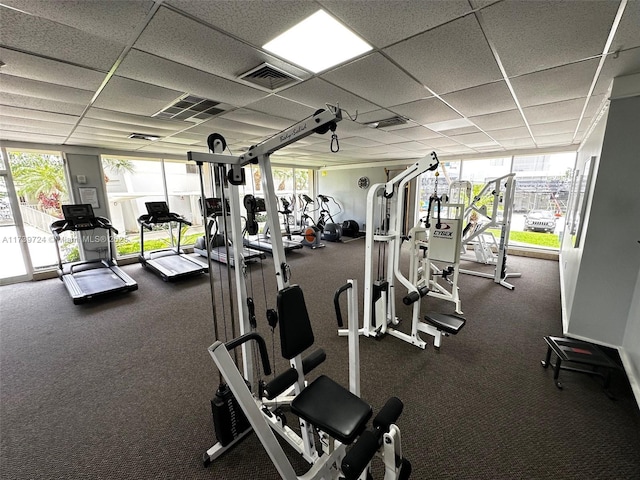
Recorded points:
449,124
317,43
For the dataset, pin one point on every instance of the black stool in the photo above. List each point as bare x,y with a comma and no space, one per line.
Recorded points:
581,353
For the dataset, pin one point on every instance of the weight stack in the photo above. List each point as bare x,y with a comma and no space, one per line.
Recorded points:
229,420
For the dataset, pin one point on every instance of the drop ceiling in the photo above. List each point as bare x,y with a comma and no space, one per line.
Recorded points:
461,77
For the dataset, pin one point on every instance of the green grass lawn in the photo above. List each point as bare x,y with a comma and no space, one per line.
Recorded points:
539,239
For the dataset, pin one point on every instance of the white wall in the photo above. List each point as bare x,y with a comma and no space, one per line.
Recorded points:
631,343
342,184
90,167
611,254
604,272
570,254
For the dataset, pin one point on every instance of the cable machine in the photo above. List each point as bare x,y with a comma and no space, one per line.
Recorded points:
385,211
326,410
482,214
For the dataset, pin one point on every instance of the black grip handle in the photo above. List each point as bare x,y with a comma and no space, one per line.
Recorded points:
262,346
412,297
279,384
312,360
388,414
357,459
336,302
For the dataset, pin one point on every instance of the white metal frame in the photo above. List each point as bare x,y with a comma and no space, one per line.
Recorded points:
388,199
503,191
14,204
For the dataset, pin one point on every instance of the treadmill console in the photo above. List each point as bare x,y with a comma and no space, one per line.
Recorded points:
159,212
214,207
79,216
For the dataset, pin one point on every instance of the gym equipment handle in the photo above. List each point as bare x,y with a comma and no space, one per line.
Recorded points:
262,346
388,414
415,296
336,302
360,455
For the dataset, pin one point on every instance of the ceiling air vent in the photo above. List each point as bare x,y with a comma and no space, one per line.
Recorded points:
144,136
269,77
191,109
388,122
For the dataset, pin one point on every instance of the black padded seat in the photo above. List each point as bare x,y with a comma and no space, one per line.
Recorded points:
447,323
333,409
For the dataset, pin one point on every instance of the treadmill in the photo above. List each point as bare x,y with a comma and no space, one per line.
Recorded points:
217,239
170,263
257,241
88,279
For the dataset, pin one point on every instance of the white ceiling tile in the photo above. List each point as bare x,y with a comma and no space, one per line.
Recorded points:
131,96
152,69
481,100
416,133
35,35
360,142
244,115
116,21
461,131
441,142
130,119
427,111
6,110
224,126
188,42
316,93
123,127
494,121
85,131
34,126
546,31
33,103
48,91
557,111
37,68
518,143
554,128
624,63
234,17
472,138
628,34
32,137
510,133
371,76
282,107
560,139
371,19
556,84
458,57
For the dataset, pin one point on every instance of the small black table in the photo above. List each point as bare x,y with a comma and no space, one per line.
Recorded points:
582,353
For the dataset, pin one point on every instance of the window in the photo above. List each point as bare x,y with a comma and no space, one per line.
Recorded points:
133,182
41,186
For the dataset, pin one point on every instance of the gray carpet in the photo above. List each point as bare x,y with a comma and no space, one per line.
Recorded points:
120,388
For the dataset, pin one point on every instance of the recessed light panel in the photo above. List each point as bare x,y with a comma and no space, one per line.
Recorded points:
317,43
449,124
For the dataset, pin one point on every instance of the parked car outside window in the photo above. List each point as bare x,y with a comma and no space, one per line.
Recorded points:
540,221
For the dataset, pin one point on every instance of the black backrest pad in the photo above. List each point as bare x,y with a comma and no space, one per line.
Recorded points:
295,328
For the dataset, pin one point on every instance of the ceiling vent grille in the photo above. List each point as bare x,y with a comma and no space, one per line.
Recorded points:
190,109
269,77
388,122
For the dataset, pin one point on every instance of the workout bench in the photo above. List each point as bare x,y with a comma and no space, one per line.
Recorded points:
582,353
